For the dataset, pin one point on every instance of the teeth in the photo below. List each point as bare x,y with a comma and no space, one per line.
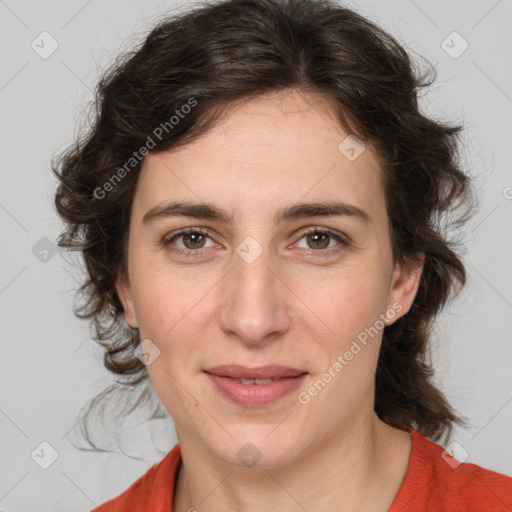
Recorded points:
255,381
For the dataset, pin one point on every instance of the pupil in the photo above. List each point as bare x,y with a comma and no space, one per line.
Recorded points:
316,239
195,237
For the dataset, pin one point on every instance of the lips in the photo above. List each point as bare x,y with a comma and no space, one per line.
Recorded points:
260,375
259,382
255,387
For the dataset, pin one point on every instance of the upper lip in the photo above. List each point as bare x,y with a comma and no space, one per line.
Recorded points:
260,372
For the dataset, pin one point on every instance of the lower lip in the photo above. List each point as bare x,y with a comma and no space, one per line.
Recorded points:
256,394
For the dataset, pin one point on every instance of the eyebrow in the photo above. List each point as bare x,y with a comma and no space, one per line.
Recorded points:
208,211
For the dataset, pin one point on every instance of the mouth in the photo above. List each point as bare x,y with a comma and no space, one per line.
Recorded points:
259,382
262,374
255,387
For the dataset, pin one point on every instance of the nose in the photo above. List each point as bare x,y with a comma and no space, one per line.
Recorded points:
253,306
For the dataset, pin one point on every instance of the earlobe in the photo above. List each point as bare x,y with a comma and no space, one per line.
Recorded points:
405,283
124,292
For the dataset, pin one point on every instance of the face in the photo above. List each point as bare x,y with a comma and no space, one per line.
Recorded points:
259,278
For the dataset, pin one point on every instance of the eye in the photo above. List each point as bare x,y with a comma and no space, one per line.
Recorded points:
320,239
192,241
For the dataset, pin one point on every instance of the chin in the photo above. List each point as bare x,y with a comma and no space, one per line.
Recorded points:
260,447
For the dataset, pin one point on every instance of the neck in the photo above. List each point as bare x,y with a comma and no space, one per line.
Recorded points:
361,468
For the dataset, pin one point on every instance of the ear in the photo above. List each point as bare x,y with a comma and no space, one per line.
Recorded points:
124,292
405,281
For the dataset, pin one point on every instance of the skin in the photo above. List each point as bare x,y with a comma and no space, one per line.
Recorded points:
286,307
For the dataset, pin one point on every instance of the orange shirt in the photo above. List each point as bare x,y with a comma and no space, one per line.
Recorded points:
431,484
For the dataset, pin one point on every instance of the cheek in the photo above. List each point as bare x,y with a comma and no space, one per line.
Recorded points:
349,354
172,310
346,302
165,297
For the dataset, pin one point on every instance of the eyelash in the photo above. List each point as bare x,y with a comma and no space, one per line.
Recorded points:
343,241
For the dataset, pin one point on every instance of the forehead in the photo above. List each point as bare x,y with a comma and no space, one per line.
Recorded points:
277,149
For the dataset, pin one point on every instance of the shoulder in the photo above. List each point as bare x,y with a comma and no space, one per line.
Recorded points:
437,481
153,489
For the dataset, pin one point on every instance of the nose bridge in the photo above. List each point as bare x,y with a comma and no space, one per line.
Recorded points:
253,302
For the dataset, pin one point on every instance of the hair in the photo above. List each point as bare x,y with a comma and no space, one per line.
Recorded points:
179,82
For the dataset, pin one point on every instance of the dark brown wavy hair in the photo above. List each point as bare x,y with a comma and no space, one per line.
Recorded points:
217,53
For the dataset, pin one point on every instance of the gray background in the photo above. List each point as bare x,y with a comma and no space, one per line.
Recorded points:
49,366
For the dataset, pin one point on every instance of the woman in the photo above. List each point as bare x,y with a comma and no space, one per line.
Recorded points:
260,207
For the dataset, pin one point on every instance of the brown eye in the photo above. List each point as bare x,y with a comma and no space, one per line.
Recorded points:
193,240
188,241
318,240
323,242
